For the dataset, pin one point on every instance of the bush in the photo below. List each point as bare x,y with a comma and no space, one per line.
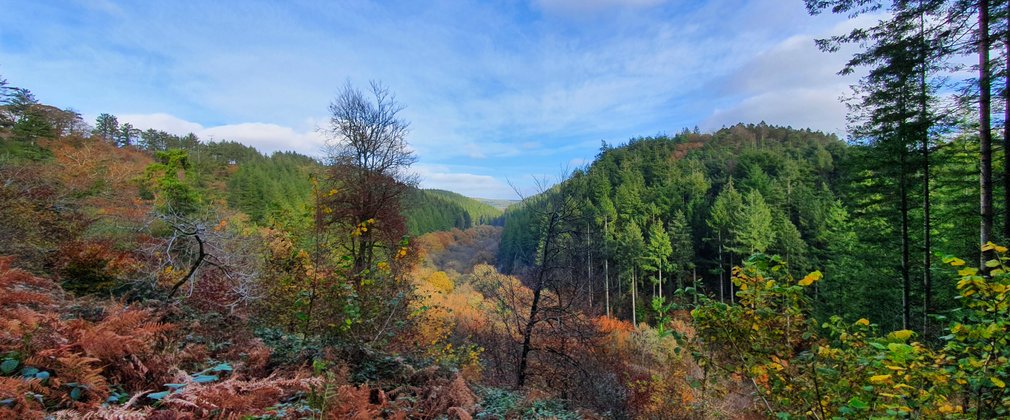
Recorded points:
800,368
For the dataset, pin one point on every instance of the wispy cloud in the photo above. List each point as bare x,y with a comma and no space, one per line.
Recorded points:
472,185
790,83
266,137
512,87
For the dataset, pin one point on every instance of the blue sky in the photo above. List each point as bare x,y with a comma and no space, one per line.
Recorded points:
496,91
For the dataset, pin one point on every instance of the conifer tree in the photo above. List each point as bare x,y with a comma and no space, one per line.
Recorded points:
755,232
657,254
724,217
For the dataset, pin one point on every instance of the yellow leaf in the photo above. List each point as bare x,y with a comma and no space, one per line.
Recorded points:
964,282
810,278
989,246
967,271
1000,249
864,322
946,408
770,284
902,334
957,262
879,378
998,382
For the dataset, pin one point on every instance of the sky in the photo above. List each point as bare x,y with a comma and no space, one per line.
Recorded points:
498,94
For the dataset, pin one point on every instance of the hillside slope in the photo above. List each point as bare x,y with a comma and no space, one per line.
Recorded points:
429,210
781,184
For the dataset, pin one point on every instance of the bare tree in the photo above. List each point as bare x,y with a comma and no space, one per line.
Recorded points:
194,247
368,159
553,286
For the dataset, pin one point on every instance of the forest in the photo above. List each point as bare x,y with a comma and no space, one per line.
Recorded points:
754,271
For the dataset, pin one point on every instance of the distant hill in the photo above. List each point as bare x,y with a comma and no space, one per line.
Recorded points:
429,210
499,204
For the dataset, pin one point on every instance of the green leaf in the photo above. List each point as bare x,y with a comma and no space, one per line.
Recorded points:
858,404
8,366
202,379
28,372
157,395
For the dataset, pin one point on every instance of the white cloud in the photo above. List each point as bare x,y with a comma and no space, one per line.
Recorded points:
265,137
470,185
791,83
504,86
268,138
819,109
161,121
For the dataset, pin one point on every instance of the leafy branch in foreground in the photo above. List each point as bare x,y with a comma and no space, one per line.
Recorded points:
800,368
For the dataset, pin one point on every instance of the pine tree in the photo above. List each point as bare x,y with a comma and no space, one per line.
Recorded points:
657,254
755,232
682,246
632,245
724,217
106,127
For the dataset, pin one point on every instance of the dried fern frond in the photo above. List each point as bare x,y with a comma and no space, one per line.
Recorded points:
18,287
355,402
22,406
237,397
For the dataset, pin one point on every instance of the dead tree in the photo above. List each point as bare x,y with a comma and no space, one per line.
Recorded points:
558,220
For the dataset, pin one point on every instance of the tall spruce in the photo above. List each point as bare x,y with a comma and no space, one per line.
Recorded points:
892,109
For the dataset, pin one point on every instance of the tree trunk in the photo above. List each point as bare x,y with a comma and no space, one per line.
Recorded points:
661,280
201,255
620,285
634,291
984,131
527,338
924,126
694,283
606,268
589,263
732,295
722,273
538,288
903,204
606,284
1006,140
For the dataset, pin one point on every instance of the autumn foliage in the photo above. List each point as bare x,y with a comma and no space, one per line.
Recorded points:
797,366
